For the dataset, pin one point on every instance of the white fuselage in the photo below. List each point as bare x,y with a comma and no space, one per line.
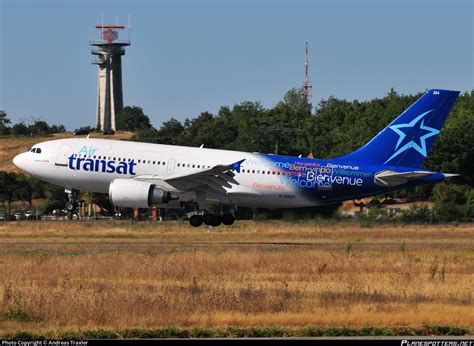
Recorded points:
92,164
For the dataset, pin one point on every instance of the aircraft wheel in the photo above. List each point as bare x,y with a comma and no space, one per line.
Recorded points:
228,219
195,220
212,220
70,206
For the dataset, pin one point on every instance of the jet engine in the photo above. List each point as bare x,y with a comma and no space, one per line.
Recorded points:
136,194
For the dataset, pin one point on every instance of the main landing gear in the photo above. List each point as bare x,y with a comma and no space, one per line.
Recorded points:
200,215
197,220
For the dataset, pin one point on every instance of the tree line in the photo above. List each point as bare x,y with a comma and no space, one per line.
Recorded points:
35,127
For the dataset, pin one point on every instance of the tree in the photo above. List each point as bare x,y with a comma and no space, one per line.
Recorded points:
170,132
450,201
24,190
249,117
132,119
57,129
8,186
20,129
4,118
39,127
55,197
201,131
453,151
4,121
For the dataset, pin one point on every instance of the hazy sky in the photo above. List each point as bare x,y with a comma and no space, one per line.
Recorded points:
192,56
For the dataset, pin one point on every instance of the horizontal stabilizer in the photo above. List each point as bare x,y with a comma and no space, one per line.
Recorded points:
392,178
450,175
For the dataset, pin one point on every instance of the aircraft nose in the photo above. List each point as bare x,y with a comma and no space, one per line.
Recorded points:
19,161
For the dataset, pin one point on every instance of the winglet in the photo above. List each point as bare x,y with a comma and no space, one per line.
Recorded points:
236,166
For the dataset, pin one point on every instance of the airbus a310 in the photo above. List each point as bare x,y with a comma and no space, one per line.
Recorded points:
142,175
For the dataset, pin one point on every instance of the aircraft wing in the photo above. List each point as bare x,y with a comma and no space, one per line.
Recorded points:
213,180
392,178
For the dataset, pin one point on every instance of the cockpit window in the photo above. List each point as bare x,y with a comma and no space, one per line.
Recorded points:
29,149
35,150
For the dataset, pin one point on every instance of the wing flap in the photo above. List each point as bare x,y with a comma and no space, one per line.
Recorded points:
217,178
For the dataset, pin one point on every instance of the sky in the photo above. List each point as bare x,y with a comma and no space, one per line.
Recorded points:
187,57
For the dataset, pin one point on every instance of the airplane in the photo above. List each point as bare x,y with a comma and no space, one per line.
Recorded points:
144,175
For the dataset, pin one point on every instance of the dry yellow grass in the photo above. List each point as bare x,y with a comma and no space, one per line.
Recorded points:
11,146
242,231
245,286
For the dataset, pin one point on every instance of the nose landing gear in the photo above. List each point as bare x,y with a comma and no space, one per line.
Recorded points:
71,205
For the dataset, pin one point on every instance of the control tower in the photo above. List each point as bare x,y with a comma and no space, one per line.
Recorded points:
109,50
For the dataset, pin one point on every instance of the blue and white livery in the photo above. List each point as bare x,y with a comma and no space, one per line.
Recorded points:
141,175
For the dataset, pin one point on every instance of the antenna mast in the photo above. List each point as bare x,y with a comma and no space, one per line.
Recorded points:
307,87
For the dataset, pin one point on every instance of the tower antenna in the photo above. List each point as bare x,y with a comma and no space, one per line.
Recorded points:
307,87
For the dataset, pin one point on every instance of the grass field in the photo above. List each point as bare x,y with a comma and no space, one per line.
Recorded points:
381,277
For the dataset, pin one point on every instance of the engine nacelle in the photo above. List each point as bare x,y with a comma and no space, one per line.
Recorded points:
136,194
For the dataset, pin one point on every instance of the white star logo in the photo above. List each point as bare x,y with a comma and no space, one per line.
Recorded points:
421,148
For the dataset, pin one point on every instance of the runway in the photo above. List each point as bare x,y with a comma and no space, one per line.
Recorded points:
164,248
252,244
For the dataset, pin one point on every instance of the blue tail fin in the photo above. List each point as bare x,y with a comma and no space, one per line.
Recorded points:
407,140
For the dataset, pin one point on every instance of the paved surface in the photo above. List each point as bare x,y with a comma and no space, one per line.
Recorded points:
245,244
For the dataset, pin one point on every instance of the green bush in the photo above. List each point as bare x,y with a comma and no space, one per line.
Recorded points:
417,214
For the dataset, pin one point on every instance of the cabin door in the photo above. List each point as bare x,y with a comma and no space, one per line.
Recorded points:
63,155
